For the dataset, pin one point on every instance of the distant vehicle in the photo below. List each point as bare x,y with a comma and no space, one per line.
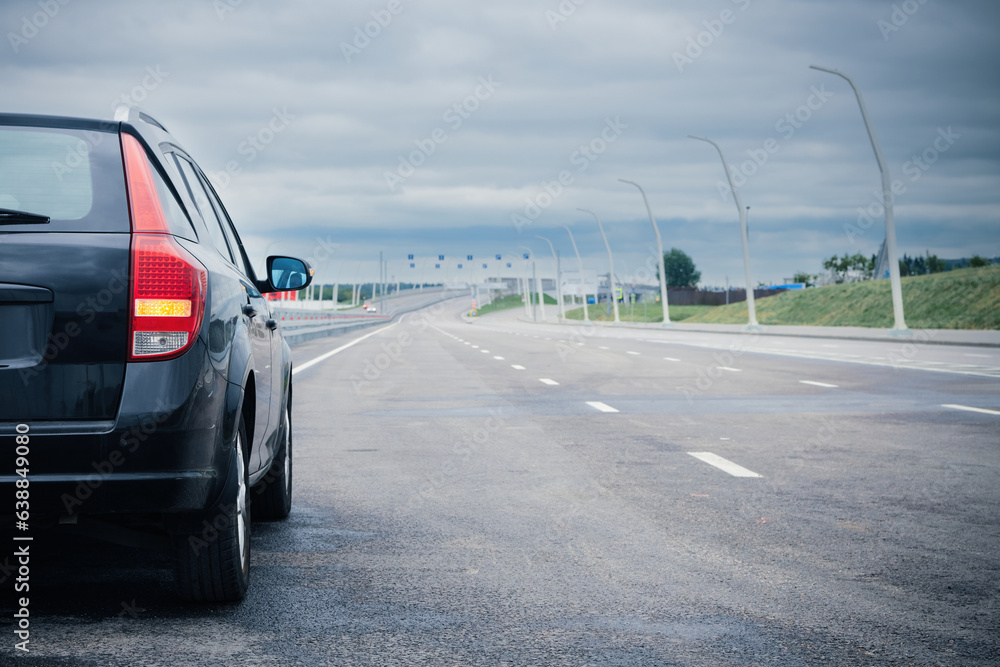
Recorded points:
141,372
371,309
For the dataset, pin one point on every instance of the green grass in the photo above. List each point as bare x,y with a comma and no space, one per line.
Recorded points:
652,312
512,301
958,299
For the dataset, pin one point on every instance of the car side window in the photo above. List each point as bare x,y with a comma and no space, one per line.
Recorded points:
200,197
228,229
177,219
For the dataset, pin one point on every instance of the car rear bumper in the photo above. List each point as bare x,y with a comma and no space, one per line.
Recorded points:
116,493
166,451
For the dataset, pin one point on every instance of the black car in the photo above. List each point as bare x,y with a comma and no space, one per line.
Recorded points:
145,389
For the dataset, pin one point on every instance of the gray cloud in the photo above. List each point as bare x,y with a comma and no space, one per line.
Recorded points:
355,110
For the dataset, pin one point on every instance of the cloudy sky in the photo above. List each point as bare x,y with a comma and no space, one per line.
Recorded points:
339,130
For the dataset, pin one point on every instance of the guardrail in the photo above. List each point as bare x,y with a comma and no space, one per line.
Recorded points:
298,326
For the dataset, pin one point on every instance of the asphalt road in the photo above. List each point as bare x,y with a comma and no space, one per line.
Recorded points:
500,493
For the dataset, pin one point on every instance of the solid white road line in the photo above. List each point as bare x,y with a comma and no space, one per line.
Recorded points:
970,409
324,357
723,464
818,384
603,407
516,367
547,381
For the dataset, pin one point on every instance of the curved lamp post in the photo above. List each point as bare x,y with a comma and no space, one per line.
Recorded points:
579,263
887,197
743,232
611,262
659,248
562,304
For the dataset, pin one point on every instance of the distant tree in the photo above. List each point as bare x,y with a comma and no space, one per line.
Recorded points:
920,266
680,269
906,266
975,262
935,265
850,268
802,277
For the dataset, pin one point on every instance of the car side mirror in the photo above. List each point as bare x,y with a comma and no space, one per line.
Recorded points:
285,274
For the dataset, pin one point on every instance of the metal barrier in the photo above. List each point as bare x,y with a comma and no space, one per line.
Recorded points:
299,326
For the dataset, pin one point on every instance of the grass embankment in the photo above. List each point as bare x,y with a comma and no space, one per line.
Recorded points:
958,299
640,312
512,301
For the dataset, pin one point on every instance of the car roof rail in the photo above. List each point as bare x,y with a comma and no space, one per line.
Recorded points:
131,114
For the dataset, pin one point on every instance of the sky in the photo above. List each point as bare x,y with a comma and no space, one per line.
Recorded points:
336,131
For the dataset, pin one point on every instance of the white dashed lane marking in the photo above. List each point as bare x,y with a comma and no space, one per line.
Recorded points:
971,409
548,381
818,384
723,464
603,407
517,367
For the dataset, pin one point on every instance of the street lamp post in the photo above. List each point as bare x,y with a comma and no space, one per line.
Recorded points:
659,248
562,305
611,262
743,232
579,263
887,197
529,303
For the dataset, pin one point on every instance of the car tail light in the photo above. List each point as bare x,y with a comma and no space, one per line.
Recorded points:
168,285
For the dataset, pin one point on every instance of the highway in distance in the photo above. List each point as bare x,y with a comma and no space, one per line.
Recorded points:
497,492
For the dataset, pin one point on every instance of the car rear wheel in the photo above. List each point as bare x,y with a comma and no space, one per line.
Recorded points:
273,494
212,560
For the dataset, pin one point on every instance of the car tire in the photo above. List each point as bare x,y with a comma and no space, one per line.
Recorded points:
212,560
273,495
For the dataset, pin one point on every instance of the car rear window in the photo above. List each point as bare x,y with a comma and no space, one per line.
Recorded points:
72,176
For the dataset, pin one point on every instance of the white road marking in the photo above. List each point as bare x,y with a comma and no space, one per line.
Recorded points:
670,359
603,347
517,368
603,407
475,347
498,358
731,370
971,409
547,381
819,384
324,357
633,353
723,464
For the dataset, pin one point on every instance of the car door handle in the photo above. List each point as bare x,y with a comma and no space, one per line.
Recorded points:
249,310
272,325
